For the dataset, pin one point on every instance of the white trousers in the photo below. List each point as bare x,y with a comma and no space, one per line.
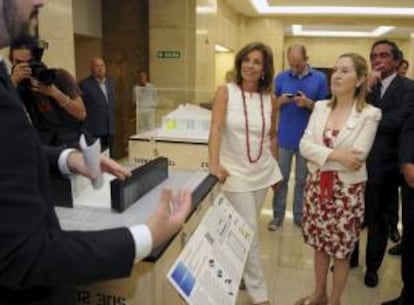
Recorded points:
249,204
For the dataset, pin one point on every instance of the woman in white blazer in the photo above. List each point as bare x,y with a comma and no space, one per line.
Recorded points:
336,143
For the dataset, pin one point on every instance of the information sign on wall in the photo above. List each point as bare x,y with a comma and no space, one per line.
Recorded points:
168,54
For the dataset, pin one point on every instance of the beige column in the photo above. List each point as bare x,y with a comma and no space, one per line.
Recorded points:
56,27
172,51
221,27
269,31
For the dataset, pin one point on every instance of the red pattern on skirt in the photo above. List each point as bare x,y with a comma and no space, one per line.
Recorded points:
332,224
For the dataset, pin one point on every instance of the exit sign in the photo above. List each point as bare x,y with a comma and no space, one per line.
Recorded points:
169,54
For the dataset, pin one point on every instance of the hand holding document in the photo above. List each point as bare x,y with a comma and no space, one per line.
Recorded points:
91,153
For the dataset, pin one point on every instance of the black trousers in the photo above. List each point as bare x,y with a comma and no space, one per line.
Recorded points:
377,203
394,207
106,141
407,260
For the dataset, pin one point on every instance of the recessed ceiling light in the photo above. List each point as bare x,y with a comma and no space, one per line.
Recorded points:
263,7
207,7
298,30
220,48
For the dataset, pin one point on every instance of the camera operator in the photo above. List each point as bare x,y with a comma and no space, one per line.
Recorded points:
51,96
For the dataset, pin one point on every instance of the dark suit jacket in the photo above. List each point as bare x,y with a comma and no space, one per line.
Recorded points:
396,104
39,261
99,112
406,155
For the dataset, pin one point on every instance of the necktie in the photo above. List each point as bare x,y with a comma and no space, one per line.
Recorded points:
376,93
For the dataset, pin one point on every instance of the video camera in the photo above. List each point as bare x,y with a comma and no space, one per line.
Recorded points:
39,70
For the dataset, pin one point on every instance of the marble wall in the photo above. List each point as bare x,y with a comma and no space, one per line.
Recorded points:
172,51
222,27
125,48
323,52
56,27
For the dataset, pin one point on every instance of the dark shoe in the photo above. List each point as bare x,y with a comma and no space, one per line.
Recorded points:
298,222
394,235
371,278
396,250
397,301
242,285
275,224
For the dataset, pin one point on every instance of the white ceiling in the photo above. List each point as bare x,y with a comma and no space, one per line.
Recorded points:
404,25
385,3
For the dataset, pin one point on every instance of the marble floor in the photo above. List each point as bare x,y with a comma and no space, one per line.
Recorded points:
288,263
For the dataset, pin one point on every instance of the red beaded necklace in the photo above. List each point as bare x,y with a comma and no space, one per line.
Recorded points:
246,121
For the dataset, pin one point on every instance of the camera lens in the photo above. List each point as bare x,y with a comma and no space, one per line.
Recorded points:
42,73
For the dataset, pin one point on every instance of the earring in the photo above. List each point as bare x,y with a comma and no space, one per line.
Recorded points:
262,77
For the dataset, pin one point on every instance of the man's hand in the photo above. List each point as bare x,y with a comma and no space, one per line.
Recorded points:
20,72
77,165
302,100
284,99
373,78
169,216
408,172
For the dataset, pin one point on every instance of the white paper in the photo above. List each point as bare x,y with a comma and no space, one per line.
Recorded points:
209,269
91,155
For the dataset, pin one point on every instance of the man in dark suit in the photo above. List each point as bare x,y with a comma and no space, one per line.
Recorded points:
406,156
98,93
40,263
394,95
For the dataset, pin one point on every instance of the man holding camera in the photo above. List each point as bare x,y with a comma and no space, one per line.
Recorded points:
51,96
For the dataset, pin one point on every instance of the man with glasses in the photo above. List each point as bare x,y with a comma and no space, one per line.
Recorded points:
394,95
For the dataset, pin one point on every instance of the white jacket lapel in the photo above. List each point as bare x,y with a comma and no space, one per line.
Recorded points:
349,126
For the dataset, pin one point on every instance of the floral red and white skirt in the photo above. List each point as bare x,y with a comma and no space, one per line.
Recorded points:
332,218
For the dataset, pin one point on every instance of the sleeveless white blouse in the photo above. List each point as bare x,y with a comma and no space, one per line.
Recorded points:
245,176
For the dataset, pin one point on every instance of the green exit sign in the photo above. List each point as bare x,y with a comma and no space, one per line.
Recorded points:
169,54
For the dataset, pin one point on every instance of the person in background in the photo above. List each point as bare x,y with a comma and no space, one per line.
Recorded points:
394,95
56,109
297,90
335,144
229,77
406,163
394,234
145,97
243,148
41,263
403,68
98,93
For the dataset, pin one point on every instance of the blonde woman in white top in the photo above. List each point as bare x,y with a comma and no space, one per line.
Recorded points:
336,143
243,145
